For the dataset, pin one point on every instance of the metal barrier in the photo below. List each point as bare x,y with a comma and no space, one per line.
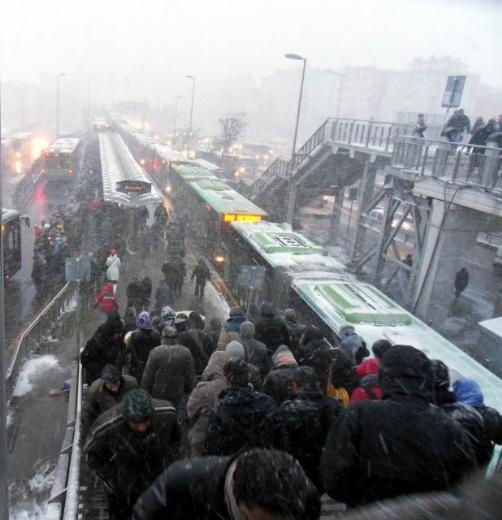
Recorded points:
28,340
462,164
371,136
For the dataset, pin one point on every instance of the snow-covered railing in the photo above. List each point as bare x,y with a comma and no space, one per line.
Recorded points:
463,164
29,339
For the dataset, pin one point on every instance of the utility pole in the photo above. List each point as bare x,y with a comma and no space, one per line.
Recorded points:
4,490
59,76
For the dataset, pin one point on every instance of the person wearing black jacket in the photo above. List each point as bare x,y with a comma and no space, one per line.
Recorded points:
467,416
271,329
256,484
243,418
397,446
142,341
307,417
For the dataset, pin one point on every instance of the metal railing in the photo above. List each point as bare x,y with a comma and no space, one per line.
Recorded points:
462,164
29,339
372,136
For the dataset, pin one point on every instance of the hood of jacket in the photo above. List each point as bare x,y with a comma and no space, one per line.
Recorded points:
406,372
467,391
214,368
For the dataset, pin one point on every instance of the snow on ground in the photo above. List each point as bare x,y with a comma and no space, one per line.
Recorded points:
33,370
28,505
217,300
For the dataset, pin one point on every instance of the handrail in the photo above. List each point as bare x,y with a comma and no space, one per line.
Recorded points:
29,338
463,164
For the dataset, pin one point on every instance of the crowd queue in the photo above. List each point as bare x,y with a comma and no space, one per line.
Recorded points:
256,420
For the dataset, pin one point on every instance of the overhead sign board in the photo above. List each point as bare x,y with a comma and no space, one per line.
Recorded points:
133,186
453,91
78,269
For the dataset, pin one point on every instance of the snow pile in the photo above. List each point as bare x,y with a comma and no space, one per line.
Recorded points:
30,501
217,300
33,370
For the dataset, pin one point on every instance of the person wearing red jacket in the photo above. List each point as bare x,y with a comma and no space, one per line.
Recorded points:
106,300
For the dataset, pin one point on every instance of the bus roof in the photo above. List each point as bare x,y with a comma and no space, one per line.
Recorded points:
64,145
282,247
189,172
220,197
9,214
374,316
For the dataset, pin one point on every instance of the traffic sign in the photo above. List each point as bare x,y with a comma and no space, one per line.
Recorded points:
78,268
134,186
453,91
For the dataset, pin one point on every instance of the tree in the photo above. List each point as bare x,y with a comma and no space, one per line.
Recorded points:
232,126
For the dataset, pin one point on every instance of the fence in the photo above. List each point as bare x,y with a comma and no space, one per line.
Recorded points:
462,164
29,339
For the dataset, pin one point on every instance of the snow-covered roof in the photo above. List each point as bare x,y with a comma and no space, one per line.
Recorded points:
9,214
118,164
493,325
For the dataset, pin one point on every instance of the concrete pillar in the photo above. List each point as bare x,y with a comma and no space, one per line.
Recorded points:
364,195
448,235
336,215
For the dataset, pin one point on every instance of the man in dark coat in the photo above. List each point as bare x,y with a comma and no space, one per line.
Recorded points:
142,341
461,282
231,330
400,445
202,276
169,373
307,417
271,329
129,446
258,484
243,418
107,391
195,340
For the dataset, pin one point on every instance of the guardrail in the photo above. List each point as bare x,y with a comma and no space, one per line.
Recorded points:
479,166
373,136
28,340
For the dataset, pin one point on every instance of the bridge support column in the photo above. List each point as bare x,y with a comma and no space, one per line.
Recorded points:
290,212
449,233
336,215
364,195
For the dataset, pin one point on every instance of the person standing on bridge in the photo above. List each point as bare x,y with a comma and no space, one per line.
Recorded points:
113,265
202,275
420,127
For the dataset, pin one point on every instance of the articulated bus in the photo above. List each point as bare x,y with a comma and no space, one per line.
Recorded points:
11,235
59,160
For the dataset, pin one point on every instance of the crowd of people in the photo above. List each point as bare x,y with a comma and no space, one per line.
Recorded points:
256,419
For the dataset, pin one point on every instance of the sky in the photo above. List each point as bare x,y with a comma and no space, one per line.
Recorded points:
155,43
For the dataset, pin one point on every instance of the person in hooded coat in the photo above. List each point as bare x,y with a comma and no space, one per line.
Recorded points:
256,351
353,345
307,417
195,340
106,300
258,484
141,342
271,329
400,445
243,418
467,416
129,445
232,327
295,329
113,266
169,372
279,383
202,401
236,350
467,391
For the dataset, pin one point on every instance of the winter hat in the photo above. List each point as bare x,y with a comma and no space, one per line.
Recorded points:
235,349
380,347
405,361
144,320
138,406
347,330
467,391
110,374
440,374
247,329
283,357
167,313
290,315
236,311
215,365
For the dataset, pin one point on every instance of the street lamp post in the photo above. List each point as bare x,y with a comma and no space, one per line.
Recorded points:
189,140
292,189
59,76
